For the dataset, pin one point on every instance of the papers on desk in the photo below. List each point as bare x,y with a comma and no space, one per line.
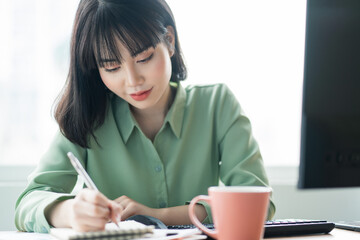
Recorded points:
145,233
128,230
158,234
183,234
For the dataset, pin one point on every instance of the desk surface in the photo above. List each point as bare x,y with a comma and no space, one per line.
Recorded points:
336,234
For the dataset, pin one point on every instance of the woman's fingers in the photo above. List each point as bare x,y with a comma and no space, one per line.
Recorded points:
84,209
90,224
94,197
128,212
116,210
113,210
131,207
123,201
92,210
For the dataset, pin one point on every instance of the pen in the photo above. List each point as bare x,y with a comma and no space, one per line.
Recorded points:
81,171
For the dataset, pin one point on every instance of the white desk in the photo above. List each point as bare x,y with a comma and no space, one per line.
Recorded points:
336,234
12,235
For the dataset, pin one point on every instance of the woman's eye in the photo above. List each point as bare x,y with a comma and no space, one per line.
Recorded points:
146,59
111,69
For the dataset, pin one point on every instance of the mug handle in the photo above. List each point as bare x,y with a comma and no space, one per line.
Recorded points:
195,220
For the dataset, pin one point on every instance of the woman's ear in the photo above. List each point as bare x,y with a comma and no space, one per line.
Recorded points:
170,40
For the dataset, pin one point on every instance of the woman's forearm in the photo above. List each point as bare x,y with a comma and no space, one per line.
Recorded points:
57,214
179,215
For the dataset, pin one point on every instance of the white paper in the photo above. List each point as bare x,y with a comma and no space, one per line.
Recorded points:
163,234
67,233
158,234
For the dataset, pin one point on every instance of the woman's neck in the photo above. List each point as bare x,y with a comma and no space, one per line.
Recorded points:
151,119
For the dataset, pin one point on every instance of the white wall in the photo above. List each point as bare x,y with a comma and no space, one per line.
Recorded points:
12,183
325,204
332,205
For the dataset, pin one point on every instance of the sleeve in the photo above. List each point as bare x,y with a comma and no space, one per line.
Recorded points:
240,158
53,180
207,207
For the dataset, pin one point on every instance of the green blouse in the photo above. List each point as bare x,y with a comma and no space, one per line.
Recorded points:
205,138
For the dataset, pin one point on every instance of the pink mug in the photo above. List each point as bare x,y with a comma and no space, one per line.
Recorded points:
239,212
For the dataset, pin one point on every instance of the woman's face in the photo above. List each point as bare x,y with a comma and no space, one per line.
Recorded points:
143,80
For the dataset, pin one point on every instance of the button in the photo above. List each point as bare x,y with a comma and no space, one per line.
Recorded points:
158,168
162,204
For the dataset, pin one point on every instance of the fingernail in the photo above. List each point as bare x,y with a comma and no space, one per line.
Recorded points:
118,218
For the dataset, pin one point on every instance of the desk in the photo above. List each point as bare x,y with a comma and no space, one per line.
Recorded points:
336,234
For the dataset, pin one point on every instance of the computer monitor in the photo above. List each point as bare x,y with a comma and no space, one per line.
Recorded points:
330,127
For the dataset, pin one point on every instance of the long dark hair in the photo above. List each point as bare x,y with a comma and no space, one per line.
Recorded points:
138,24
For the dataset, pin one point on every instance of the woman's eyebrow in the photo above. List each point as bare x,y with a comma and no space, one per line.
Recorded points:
141,51
103,61
135,54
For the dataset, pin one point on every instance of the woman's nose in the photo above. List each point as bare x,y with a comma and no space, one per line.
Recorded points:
133,76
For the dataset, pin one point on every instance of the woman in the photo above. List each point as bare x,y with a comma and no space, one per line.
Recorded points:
149,144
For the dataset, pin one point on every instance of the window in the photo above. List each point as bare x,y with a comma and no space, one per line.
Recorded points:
34,48
255,47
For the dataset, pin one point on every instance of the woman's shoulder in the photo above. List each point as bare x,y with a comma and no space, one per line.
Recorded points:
209,93
210,90
205,87
216,97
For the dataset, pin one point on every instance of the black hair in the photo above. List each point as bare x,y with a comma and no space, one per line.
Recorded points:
98,25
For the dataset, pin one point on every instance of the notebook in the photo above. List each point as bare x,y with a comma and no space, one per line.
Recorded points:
127,230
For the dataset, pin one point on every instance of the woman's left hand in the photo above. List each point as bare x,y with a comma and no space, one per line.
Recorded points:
131,207
177,215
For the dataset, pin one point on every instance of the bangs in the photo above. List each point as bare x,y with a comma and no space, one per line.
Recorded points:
129,27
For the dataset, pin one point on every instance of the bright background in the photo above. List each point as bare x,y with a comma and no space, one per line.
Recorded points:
255,47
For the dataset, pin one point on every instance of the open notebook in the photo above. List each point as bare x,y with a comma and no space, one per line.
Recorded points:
128,230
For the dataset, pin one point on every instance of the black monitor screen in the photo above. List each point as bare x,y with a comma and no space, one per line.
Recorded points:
330,127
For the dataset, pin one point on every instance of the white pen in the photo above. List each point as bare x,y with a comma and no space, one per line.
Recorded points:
81,171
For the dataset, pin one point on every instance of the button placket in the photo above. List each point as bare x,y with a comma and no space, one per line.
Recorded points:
160,186
160,168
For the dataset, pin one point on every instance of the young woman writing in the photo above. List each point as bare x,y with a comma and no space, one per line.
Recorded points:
149,144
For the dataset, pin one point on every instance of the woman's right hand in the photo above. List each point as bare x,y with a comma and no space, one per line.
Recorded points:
90,210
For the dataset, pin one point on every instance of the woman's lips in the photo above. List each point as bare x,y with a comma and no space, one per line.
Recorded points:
141,95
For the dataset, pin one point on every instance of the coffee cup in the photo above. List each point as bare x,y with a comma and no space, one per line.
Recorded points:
238,212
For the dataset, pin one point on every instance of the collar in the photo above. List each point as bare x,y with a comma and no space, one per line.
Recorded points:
126,122
175,116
